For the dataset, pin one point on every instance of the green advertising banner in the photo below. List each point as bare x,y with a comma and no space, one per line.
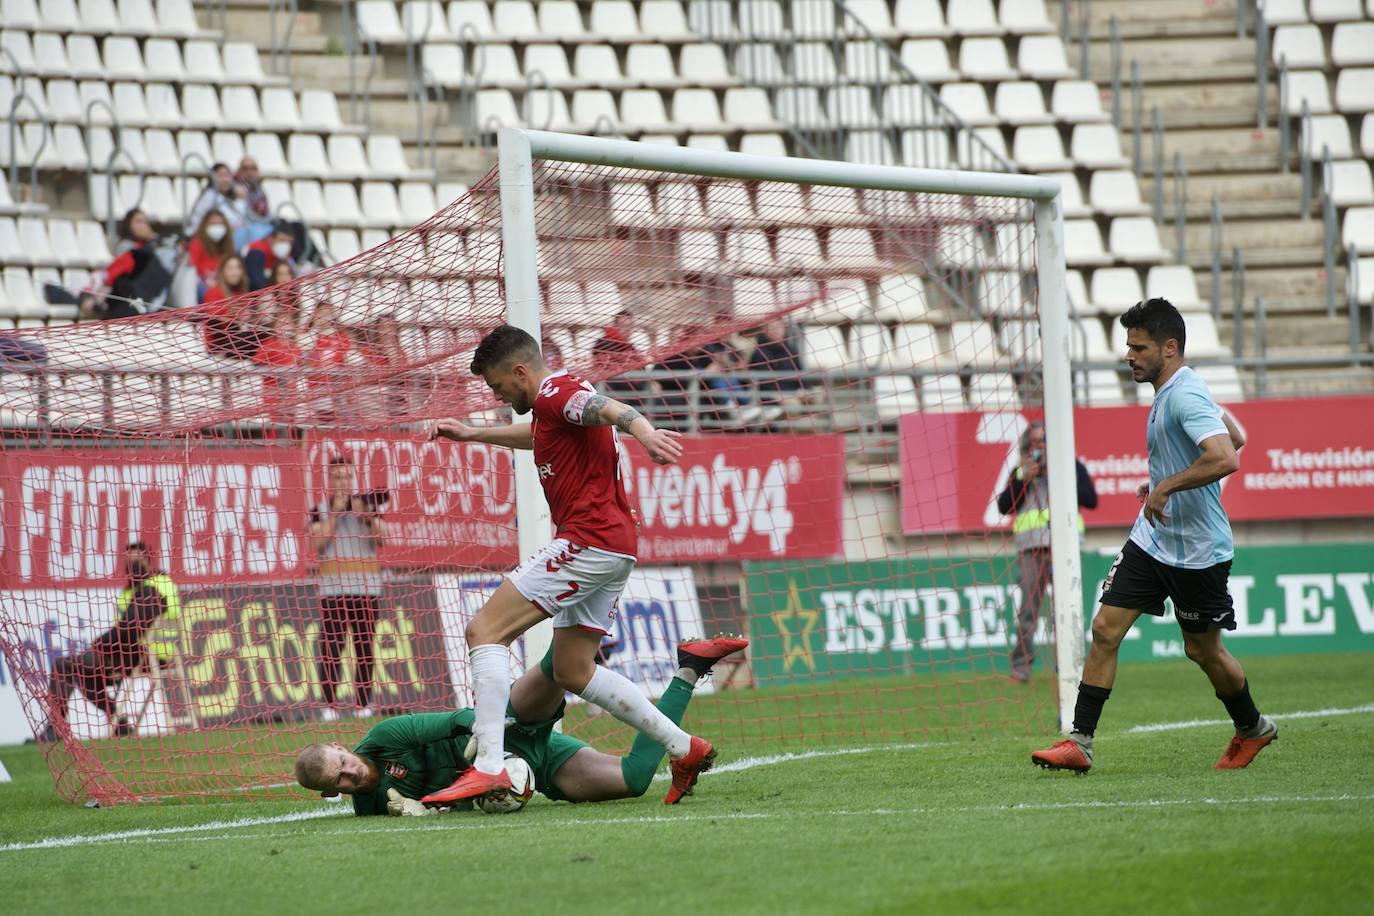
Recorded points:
833,619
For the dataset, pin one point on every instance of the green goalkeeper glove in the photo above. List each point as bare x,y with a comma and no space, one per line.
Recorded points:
397,805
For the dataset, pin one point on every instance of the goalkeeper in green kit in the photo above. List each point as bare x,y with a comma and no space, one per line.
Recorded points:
407,757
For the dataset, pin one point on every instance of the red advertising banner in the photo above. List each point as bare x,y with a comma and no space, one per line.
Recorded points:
1302,459
449,503
740,497
209,515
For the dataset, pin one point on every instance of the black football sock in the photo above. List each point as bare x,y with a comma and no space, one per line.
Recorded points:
1241,708
1088,709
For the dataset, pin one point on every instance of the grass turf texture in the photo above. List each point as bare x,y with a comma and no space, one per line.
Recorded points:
960,825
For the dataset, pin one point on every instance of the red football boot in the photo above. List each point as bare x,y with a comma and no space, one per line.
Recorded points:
1066,755
701,654
688,767
472,784
1241,751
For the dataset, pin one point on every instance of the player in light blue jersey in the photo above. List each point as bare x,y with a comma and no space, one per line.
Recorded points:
1180,547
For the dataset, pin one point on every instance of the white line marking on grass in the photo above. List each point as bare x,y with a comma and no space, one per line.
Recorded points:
469,822
749,763
94,838
1281,716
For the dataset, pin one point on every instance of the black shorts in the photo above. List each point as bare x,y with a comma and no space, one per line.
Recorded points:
1139,582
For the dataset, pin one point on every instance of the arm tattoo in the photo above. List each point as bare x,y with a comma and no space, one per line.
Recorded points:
591,413
626,419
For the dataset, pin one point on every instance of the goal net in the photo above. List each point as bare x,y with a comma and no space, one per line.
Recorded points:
853,364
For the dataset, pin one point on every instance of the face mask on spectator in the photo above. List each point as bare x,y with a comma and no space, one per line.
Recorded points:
216,231
281,249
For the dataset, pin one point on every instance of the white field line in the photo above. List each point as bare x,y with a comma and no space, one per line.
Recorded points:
472,822
749,763
87,839
1280,716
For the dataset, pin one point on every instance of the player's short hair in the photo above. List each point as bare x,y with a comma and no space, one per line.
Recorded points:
340,461
1159,319
310,767
139,546
504,344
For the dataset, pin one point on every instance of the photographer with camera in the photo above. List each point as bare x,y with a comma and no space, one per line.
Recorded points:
1027,494
347,532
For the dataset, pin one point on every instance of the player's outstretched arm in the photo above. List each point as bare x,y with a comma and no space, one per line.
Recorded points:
516,435
663,445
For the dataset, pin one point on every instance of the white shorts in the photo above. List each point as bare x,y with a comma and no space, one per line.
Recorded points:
576,586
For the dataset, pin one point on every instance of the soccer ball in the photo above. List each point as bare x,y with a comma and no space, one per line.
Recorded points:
521,789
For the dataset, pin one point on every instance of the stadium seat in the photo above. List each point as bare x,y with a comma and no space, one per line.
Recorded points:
49,53
1097,146
342,244
242,64
386,158
823,348
985,60
1300,46
993,391
1039,149
928,59
901,298
1077,102
1357,229
1307,86
1042,57
203,63
308,199
177,18
1083,243
193,147
974,17
377,21
1135,239
83,55
1350,184
161,148
1367,137
706,63
1335,10
1115,289
969,101
1024,17
123,61
306,157
470,13
1176,283
1020,340
942,393
924,18
981,147
1116,193
698,109
869,345
851,106
1071,199
279,110
1282,12
98,17
663,20
1021,103
266,149
444,65
867,62
927,149
22,14
974,344
1355,90
64,101
1088,342
894,395
874,15
642,110
1352,44
379,204
227,146
550,62
424,20
614,20
1327,132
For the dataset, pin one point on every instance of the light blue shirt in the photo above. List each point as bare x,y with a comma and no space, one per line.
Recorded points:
1198,534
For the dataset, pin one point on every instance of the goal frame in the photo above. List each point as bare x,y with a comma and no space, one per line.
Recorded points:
519,148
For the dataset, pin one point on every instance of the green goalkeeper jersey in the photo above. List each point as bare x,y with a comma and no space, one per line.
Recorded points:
415,754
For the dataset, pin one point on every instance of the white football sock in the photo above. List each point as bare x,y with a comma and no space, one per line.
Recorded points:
623,699
491,688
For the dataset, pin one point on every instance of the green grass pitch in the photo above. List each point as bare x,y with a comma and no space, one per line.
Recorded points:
956,825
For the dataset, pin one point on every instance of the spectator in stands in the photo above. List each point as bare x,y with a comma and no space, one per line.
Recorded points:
676,405
347,532
279,352
614,353
285,296
138,277
146,625
262,256
1027,494
20,354
730,399
257,209
229,334
222,195
211,244
328,354
774,352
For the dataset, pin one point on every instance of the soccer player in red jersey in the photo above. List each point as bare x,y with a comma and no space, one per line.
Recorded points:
577,578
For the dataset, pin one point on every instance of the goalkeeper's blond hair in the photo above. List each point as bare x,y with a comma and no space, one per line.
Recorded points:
310,767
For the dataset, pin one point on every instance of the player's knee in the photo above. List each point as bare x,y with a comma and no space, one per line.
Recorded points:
572,674
1199,651
480,632
1106,633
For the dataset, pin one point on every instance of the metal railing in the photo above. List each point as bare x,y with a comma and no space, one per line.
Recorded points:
279,52
41,118
354,45
1331,234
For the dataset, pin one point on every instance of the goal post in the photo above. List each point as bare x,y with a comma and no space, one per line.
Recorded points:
519,149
